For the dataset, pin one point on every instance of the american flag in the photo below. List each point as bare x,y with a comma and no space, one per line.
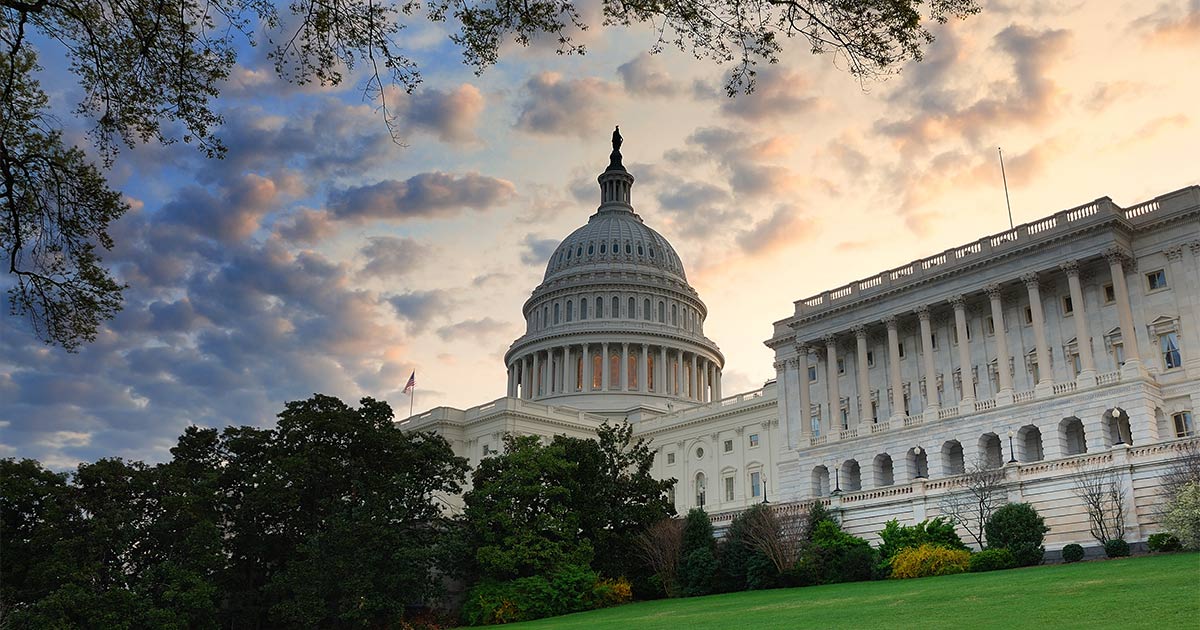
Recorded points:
412,382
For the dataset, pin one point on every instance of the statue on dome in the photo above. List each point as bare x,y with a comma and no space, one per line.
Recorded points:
617,138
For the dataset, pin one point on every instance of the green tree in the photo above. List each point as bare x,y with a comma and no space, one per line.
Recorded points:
1018,528
150,70
698,569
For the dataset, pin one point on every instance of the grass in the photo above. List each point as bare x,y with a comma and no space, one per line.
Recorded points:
1159,591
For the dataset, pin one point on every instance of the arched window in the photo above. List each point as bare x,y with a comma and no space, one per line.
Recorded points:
591,249
556,308
918,462
583,305
1074,440
628,247
579,251
616,307
952,458
579,370
1029,438
646,309
616,248
597,371
991,453
603,246
674,315
883,470
851,476
652,251
599,308
545,316
641,252
614,371
820,481
661,313
632,312
700,489
570,310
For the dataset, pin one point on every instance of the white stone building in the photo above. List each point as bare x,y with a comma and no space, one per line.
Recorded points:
1068,341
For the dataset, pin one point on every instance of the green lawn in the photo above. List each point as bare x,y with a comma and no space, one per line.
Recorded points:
1161,591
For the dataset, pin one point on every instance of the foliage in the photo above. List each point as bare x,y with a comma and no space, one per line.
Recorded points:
698,573
150,71
992,560
1072,552
302,524
980,491
1116,548
1163,542
929,560
567,589
938,531
832,556
776,535
661,549
1018,528
1183,471
697,532
1183,516
611,592
1099,488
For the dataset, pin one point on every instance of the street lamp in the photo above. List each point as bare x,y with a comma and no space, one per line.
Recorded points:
1012,455
917,452
764,484
1117,415
837,484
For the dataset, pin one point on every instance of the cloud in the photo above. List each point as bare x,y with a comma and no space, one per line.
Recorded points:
450,115
784,227
778,93
1106,94
392,257
536,251
420,308
477,329
557,106
232,215
646,75
426,195
306,227
1171,24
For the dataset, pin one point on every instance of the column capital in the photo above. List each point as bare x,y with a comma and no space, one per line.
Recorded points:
1071,268
780,365
891,322
860,331
802,349
993,290
1195,247
1030,280
923,312
1174,253
1117,255
959,302
794,362
830,340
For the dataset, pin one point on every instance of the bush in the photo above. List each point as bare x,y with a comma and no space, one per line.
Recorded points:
1183,516
1072,553
1163,541
698,573
1116,548
572,588
894,536
929,560
844,557
1018,528
992,560
611,592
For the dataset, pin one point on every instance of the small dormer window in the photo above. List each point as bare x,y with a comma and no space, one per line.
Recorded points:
641,252
628,248
591,249
579,251
568,254
602,247
652,252
616,247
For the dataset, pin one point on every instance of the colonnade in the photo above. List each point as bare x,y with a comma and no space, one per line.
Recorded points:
614,367
795,392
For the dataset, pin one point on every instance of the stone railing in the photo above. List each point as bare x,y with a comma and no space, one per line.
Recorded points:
818,440
1108,378
880,427
913,421
948,412
880,493
1022,397
846,434
984,405
1065,388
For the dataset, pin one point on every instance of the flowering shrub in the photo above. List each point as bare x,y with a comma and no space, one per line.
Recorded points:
928,560
608,592
1183,516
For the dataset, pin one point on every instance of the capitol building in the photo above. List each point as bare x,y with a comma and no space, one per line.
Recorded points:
1068,343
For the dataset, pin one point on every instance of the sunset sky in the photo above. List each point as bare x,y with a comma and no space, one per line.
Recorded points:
319,256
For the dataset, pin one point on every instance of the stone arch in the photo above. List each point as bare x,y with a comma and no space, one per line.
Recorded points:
884,473
953,462
991,451
570,310
1072,436
820,481
701,488
646,310
851,476
1029,444
1116,427
918,462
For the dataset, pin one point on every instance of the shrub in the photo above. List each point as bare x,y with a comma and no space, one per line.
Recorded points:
1018,528
571,588
1183,516
1163,541
894,536
1116,548
698,573
607,592
1072,553
992,560
928,560
844,557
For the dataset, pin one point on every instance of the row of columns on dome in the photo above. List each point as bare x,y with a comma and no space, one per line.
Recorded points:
1068,437
793,372
631,367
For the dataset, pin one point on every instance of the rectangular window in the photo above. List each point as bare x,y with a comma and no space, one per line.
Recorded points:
815,424
753,440
991,325
901,346
487,450
906,412
756,484
1183,424
670,458
841,366
1118,353
933,340
870,359
874,410
812,373
1169,344
1028,316
1110,295
845,418
1076,363
729,488
1067,306
1156,280
728,446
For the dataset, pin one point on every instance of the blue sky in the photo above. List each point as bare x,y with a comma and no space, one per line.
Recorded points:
319,256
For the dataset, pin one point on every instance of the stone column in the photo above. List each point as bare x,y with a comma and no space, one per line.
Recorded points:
1133,355
835,396
1045,384
931,380
893,336
537,374
568,371
624,371
864,385
1083,338
695,380
522,382
509,390
605,367
663,371
718,387
586,385
965,369
1005,396
805,401
644,369
782,374
1187,301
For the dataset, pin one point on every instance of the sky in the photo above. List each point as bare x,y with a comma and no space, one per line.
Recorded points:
321,256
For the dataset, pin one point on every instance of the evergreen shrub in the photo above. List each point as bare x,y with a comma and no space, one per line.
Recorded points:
1116,548
1018,528
1072,553
1163,541
929,560
992,560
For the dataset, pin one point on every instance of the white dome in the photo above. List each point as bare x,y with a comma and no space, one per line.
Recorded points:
611,239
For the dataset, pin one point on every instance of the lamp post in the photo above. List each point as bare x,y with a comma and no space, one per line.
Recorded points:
917,452
1117,415
837,484
764,484
1012,455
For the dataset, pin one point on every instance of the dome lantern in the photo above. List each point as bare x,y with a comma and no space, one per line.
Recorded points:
615,182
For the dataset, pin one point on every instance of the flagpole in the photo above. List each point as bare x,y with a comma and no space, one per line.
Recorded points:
411,396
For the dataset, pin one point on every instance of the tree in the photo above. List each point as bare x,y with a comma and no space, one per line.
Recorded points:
150,70
1183,471
1018,528
778,535
660,548
1183,516
1099,488
698,558
980,491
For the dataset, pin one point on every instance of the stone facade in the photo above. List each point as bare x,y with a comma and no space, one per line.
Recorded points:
1070,341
